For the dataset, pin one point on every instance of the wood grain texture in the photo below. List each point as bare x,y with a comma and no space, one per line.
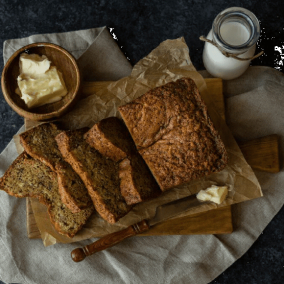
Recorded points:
215,89
218,221
262,153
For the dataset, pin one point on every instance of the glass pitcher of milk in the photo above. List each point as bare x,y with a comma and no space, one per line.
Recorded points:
235,31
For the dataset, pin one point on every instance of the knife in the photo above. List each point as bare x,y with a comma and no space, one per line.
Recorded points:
163,212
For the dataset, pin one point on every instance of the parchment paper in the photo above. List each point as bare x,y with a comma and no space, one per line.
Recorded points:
168,62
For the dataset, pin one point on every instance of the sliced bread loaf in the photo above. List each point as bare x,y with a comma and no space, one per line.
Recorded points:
111,138
39,142
28,177
99,174
173,132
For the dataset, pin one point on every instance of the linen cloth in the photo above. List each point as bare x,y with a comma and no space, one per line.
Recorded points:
254,103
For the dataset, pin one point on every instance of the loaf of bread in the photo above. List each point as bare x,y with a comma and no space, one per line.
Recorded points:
39,142
174,134
99,174
28,177
111,138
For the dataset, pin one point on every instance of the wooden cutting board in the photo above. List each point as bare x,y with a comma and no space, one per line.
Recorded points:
218,221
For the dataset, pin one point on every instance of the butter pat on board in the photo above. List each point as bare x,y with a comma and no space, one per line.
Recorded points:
39,82
216,194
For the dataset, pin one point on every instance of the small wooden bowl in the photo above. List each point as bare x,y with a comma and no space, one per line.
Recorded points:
63,61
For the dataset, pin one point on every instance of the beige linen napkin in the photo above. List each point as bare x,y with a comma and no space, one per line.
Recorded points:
159,259
108,64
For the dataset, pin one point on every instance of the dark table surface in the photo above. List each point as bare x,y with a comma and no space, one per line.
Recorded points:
140,26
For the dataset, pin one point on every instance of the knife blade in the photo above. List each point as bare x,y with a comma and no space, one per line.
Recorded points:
174,208
163,212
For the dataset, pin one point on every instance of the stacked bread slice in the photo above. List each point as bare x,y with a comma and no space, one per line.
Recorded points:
112,139
82,176
42,172
39,142
29,177
99,174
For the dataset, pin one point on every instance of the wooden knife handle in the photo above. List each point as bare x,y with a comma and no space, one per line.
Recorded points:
110,240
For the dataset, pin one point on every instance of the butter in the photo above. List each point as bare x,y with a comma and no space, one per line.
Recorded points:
33,64
38,82
216,194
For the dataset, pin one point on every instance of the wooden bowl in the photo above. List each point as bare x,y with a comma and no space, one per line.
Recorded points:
63,61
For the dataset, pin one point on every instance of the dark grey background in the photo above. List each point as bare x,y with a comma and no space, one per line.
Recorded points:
140,26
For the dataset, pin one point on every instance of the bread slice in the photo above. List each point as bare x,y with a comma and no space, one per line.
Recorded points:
39,142
99,174
28,177
111,138
71,188
174,134
137,184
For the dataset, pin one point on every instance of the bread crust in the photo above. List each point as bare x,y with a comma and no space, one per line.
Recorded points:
174,134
